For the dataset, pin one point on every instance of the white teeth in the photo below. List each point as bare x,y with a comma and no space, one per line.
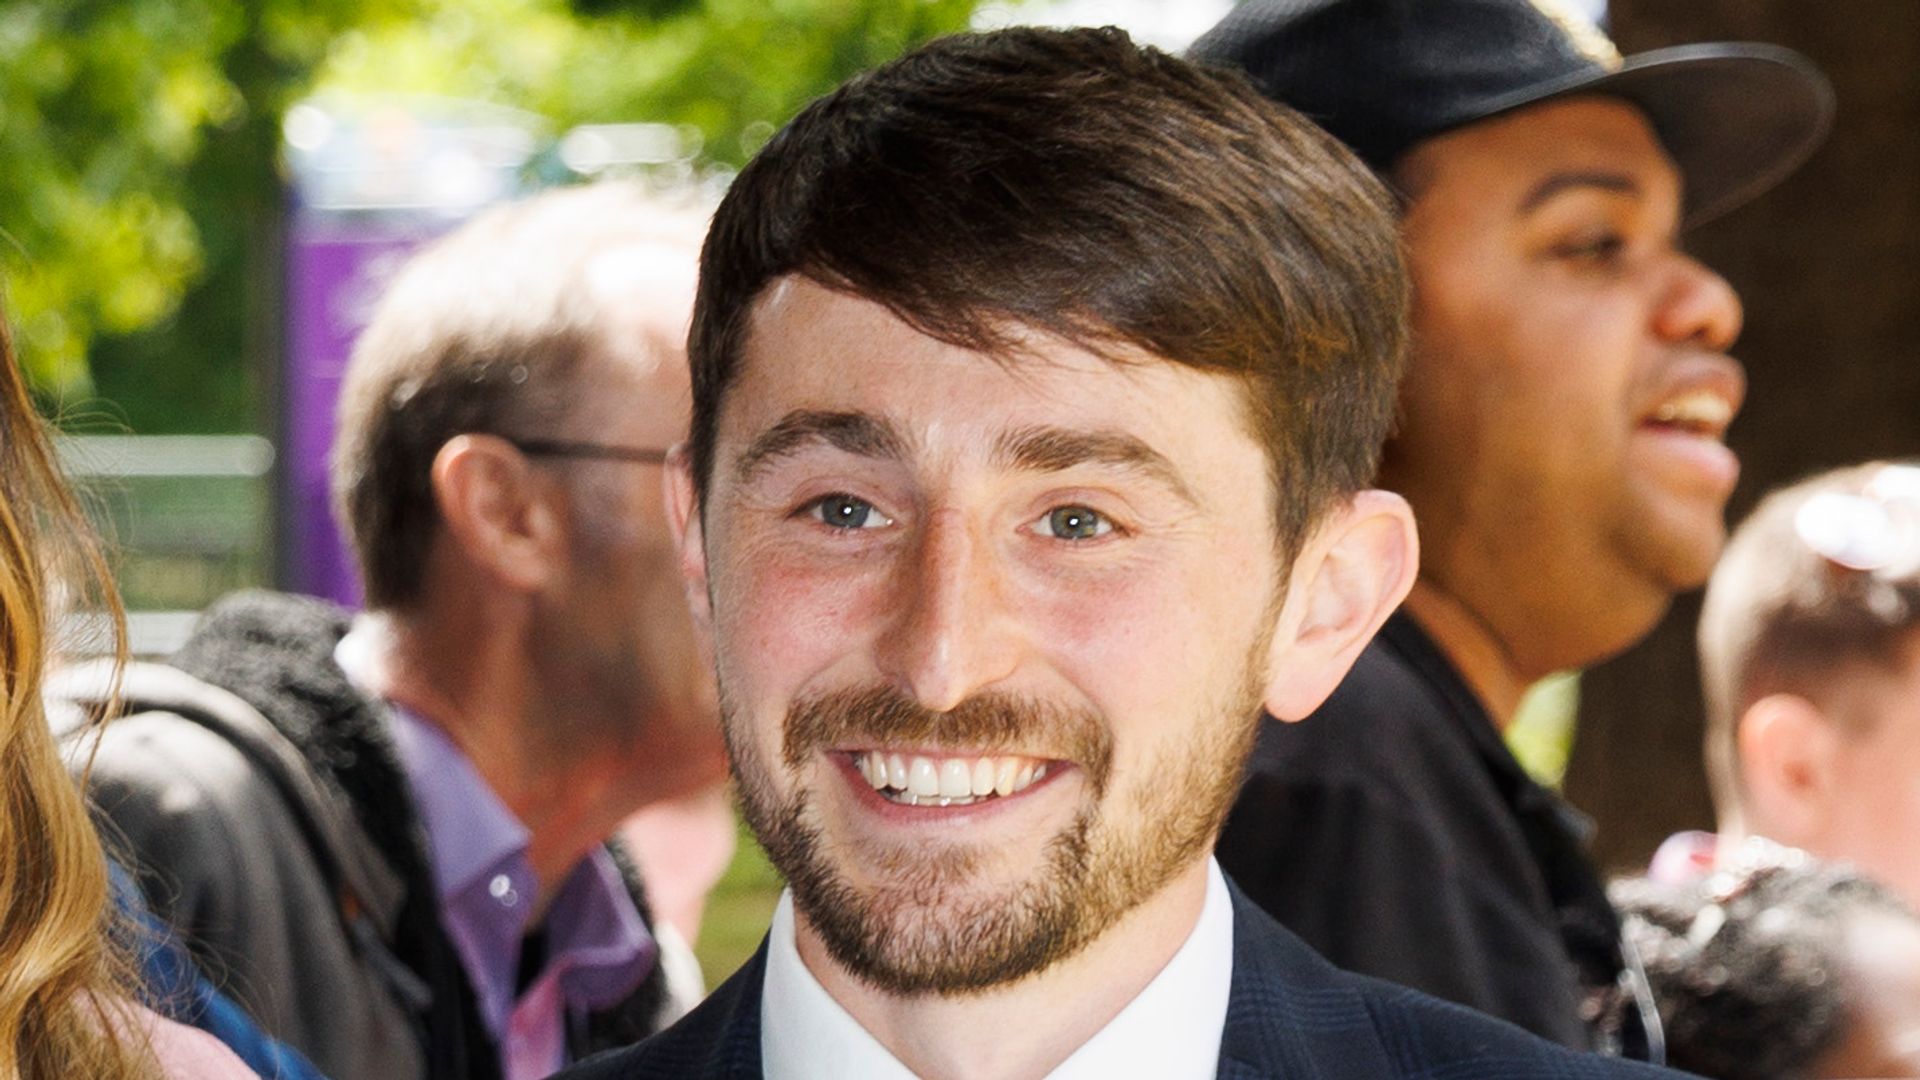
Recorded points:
982,779
1004,776
910,799
956,778
1697,409
916,780
923,778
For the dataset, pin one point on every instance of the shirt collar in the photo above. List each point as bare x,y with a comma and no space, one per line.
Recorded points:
1172,1028
471,832
598,946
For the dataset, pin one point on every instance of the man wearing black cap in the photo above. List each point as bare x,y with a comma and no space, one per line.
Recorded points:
1560,442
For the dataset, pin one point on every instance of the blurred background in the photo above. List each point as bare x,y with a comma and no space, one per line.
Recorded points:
202,197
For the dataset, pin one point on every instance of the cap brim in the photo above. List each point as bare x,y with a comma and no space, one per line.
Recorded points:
1736,118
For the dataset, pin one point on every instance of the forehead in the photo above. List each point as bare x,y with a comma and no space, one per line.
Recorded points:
1522,148
810,347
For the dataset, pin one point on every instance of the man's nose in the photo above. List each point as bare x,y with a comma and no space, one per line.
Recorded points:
1698,307
953,634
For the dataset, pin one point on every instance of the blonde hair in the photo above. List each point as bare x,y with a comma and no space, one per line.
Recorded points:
65,982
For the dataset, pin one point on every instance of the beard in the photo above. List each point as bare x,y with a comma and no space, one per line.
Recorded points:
931,928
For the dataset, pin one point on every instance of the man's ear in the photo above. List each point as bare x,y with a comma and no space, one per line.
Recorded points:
1787,746
1351,574
494,509
683,517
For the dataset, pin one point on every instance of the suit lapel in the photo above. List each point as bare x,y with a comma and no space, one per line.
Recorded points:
741,1046
1289,1013
720,1038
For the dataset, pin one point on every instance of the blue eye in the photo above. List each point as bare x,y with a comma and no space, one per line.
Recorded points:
1073,523
846,512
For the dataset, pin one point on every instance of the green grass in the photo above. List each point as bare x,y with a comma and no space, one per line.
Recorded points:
738,910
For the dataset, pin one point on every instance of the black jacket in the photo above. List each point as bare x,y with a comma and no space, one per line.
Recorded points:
1289,1014
270,821
1396,834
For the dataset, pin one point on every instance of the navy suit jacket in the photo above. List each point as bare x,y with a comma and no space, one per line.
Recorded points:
1289,1014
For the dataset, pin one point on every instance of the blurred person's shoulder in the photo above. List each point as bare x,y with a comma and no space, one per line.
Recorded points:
1400,742
1402,694
187,1053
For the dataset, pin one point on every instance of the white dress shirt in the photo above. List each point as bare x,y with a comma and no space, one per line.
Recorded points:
1171,1030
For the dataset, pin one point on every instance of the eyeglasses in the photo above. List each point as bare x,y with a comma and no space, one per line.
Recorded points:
1875,532
591,450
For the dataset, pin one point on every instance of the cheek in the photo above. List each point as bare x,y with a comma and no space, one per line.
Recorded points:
1881,805
786,618
1161,639
1099,618
1503,359
1897,815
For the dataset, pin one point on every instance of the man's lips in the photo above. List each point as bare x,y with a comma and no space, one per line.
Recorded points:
1698,411
1683,428
927,779
1700,397
1693,462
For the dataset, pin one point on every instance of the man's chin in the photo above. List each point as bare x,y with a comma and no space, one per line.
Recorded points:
1677,538
946,919
1680,554
966,943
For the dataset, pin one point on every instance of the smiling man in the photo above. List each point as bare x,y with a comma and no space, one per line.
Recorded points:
1560,441
1038,379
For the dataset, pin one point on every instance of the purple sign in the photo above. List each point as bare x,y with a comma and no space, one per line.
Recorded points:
374,178
337,266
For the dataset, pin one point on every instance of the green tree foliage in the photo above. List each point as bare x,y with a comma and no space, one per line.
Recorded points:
731,68
136,142
140,193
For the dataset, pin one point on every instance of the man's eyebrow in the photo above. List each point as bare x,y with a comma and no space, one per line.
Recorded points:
1053,449
1616,182
854,432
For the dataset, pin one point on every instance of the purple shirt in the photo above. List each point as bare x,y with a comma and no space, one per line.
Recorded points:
598,949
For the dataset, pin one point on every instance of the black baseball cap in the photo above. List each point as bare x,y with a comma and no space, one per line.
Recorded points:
1383,75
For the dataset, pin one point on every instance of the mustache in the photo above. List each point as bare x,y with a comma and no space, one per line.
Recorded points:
991,722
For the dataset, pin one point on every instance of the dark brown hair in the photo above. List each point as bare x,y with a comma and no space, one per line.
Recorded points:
1071,182
1780,617
484,332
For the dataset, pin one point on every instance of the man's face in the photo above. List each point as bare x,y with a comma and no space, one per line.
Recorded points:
990,634
613,636
1564,407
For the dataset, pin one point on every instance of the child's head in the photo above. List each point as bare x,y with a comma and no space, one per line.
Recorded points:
1810,651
